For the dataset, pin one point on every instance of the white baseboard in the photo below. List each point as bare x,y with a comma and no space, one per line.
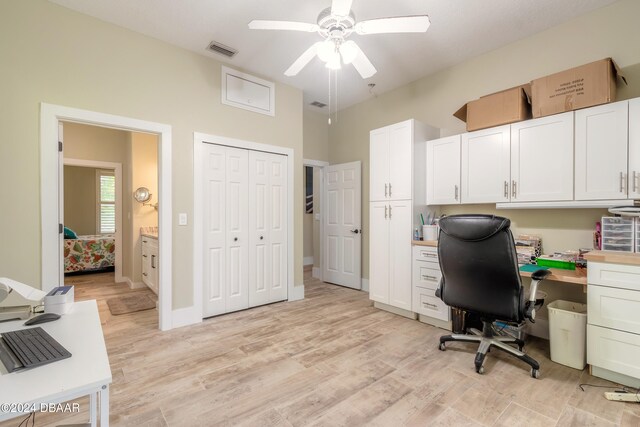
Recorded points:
308,260
132,284
365,285
184,317
298,293
315,272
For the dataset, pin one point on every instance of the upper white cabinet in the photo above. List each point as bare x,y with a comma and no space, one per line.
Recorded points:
634,149
601,161
396,163
379,165
542,159
391,160
486,172
443,171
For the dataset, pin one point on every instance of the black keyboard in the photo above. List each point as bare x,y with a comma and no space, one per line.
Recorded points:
28,348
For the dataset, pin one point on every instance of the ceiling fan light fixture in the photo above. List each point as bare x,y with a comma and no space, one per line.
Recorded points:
326,50
349,51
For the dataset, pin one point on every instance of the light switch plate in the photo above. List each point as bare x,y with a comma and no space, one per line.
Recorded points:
182,219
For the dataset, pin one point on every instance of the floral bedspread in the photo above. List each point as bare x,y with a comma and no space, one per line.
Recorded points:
89,253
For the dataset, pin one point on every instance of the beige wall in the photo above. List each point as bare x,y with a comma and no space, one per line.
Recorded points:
144,173
611,31
315,136
54,55
80,199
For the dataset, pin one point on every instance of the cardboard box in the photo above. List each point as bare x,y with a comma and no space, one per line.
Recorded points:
580,87
500,108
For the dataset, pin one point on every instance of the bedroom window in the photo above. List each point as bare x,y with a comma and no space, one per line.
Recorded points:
106,201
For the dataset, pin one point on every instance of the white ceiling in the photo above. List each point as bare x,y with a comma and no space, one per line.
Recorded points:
460,29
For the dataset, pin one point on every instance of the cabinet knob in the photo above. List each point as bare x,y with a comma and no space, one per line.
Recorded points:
261,237
235,239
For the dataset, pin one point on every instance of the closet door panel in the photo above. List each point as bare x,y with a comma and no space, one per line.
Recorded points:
278,232
237,235
214,226
259,260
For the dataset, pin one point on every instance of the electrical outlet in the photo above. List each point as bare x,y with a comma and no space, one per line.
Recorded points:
182,219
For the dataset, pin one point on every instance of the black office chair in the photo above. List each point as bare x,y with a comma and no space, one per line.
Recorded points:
480,275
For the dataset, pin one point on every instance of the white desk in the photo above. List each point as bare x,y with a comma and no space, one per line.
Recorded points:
86,372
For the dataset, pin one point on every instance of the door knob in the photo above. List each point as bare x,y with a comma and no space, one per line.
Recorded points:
356,231
235,239
261,237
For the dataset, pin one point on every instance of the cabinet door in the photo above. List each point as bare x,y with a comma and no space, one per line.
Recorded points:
634,149
486,165
542,159
154,269
146,262
601,152
379,165
400,214
379,252
400,161
443,171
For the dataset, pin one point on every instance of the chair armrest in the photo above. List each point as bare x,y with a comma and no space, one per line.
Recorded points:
536,277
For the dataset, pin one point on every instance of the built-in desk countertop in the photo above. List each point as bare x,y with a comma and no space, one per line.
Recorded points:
577,276
613,257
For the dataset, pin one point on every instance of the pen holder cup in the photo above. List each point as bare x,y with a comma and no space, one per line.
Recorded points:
430,232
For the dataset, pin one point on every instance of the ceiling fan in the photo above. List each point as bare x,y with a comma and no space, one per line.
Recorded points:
335,25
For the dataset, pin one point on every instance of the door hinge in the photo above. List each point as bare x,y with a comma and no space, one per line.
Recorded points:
60,146
60,228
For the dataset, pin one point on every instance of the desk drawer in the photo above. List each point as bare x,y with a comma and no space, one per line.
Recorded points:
613,350
425,253
425,302
426,275
614,275
614,308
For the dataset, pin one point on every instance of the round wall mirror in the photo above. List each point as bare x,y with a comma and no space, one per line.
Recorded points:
142,194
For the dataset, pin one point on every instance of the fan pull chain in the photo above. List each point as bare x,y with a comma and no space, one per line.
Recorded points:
329,97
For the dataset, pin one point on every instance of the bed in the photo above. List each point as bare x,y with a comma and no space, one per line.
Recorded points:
89,253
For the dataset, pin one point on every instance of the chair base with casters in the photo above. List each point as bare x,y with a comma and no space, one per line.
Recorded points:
488,339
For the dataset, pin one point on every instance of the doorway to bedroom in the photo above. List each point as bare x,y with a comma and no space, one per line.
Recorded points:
110,201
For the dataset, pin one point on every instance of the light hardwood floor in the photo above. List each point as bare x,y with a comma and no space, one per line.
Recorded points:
329,360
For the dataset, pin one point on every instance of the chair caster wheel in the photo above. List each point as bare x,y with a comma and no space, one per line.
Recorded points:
520,347
442,347
480,370
535,373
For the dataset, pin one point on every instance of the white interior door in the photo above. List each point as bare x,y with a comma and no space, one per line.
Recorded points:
60,205
214,227
343,226
267,228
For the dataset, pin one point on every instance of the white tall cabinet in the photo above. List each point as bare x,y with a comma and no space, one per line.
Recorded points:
244,199
397,173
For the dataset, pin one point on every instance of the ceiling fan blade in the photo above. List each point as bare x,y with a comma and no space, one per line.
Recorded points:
399,24
341,7
362,64
258,24
302,60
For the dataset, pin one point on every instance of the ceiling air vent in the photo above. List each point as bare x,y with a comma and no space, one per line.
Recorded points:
318,104
222,49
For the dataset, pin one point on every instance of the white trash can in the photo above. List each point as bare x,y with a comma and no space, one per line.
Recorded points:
567,333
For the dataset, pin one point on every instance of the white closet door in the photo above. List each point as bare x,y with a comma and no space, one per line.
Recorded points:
237,225
267,228
214,226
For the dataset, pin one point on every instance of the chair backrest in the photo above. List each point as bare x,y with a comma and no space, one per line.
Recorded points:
480,266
